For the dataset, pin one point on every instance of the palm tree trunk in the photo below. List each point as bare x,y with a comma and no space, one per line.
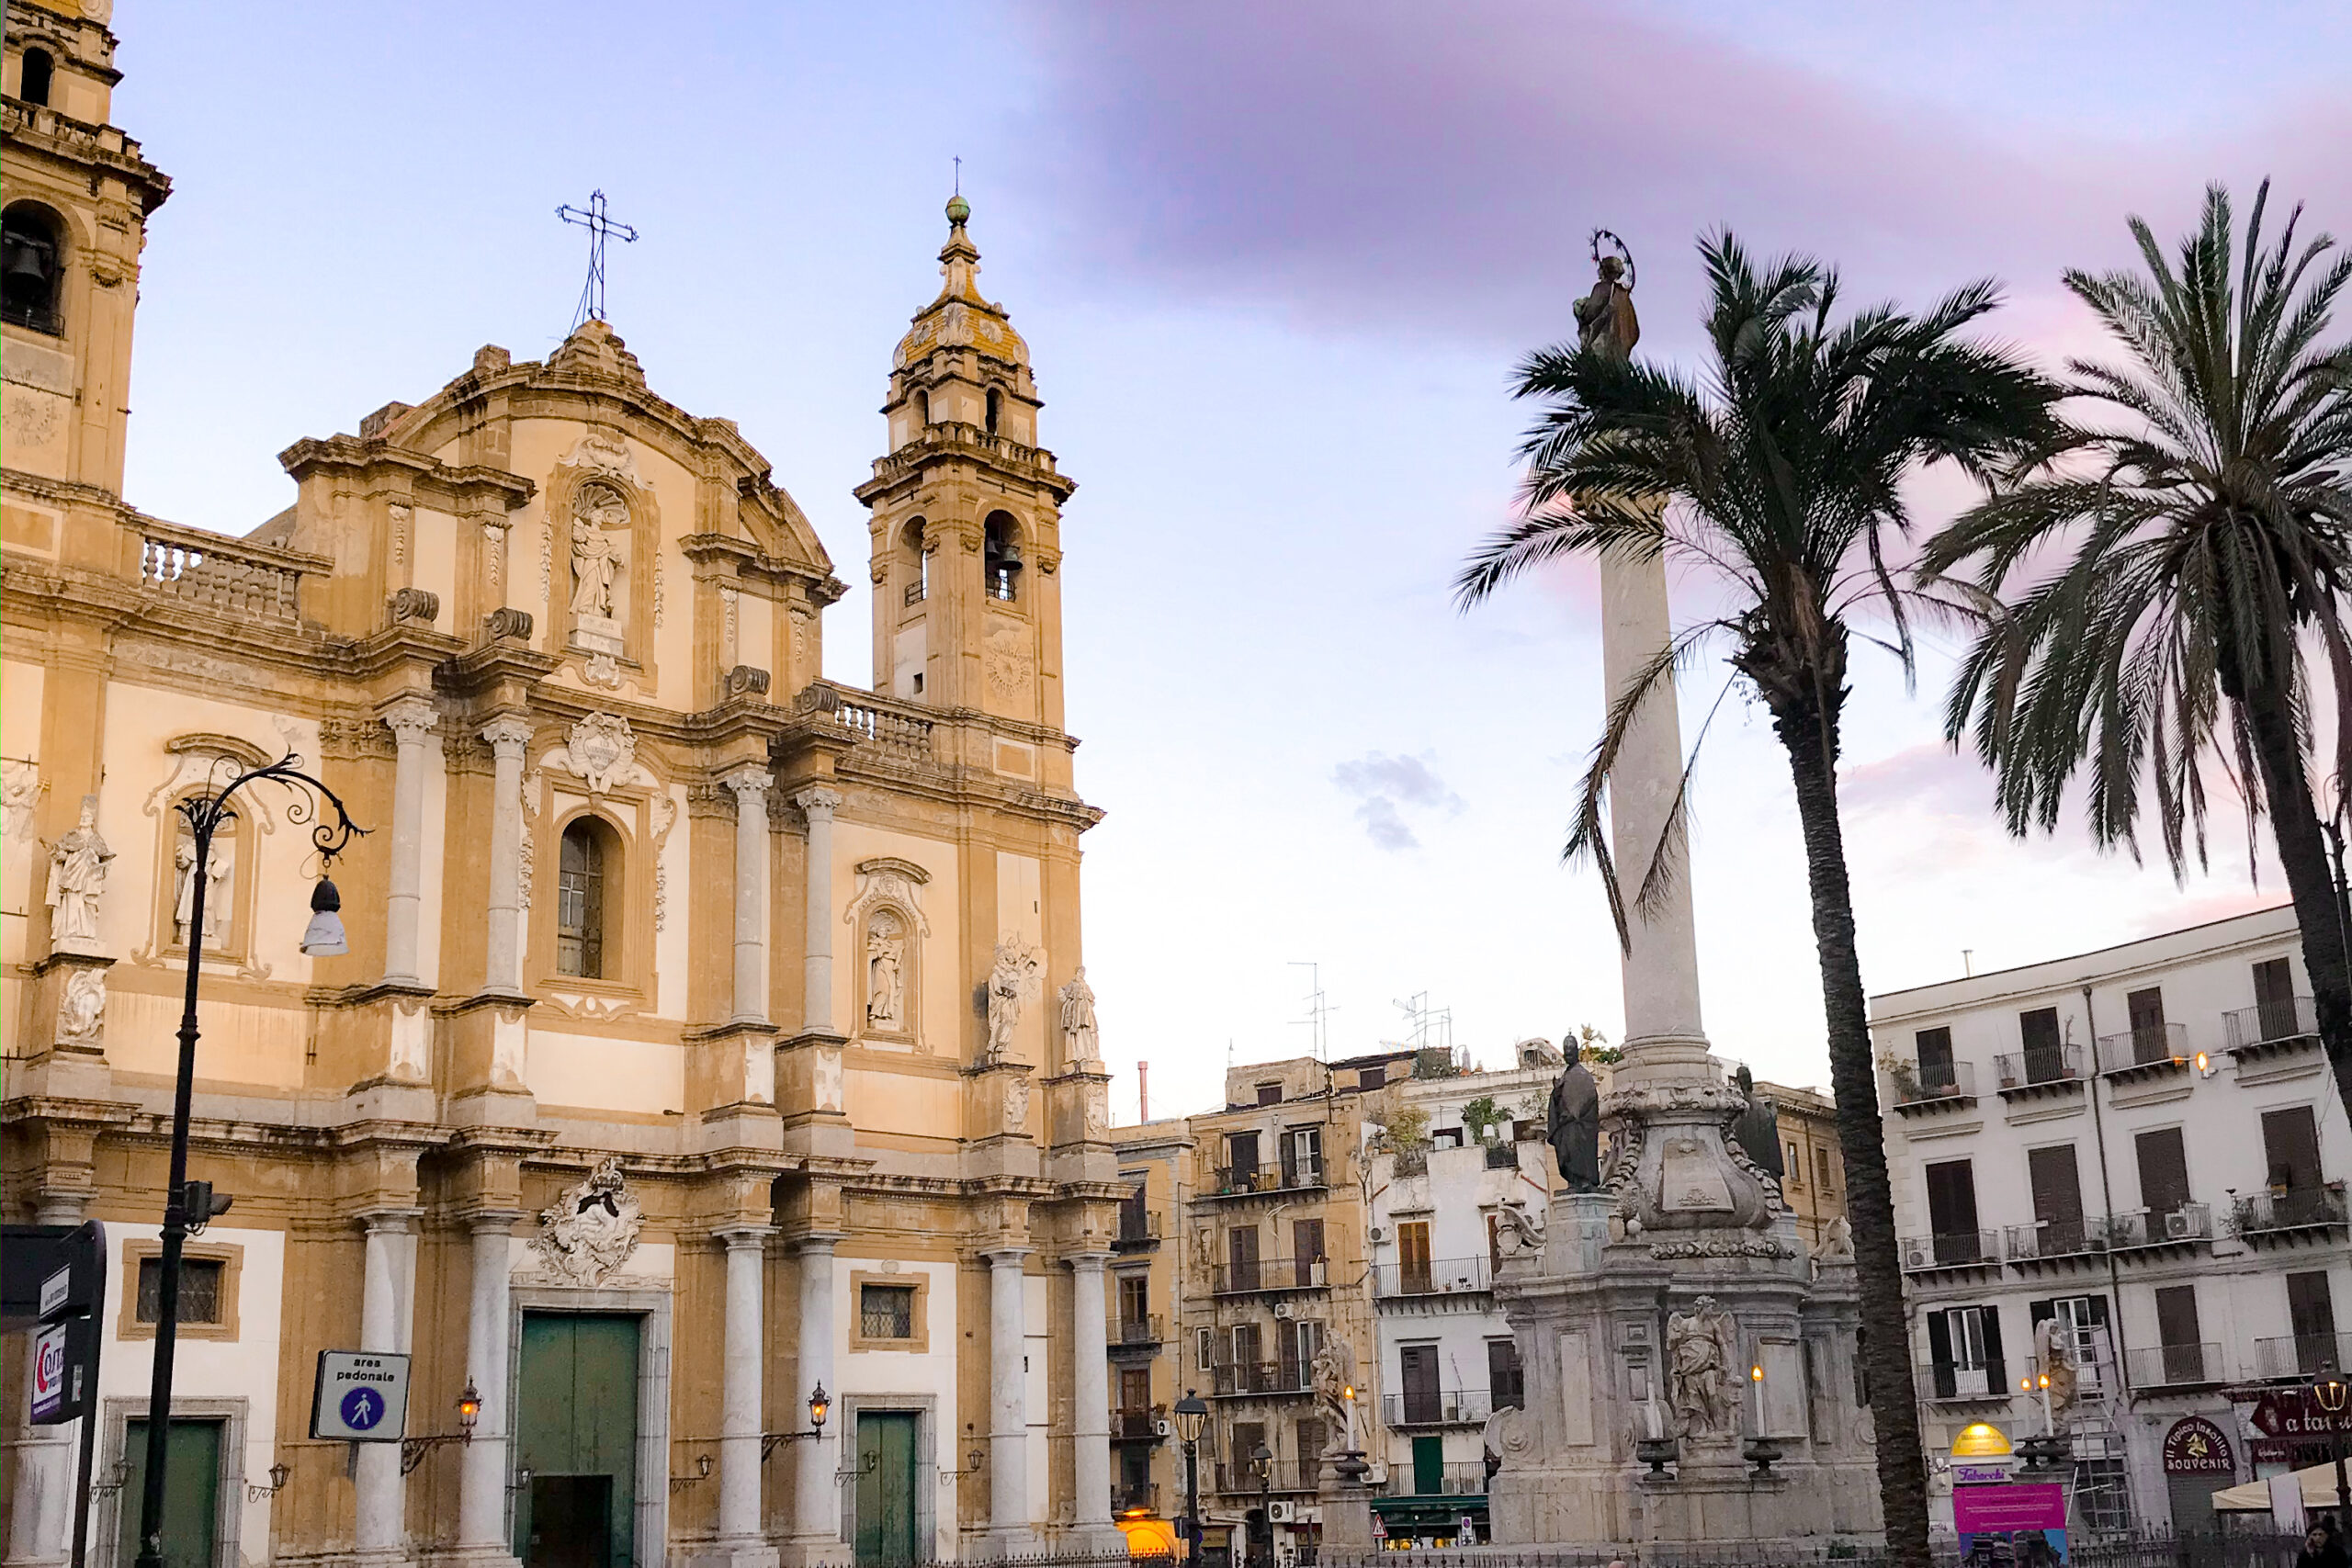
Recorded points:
2302,852
1886,1350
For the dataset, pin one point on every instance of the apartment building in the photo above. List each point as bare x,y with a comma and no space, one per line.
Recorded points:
1813,1180
1144,1305
2124,1169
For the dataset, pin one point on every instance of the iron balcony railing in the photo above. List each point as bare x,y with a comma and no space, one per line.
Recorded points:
1139,1423
1261,1376
1136,1497
1503,1156
2141,1045
1137,1330
1436,1407
2046,1239
2286,1209
1936,1080
2173,1366
1953,1382
2159,1227
1958,1250
1445,1276
2302,1355
1271,1274
1138,1226
1281,1475
1286,1176
1460,1480
2039,1065
2266,1023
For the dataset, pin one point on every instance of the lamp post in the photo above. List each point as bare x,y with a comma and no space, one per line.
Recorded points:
1261,1465
204,814
1191,1413
2330,1390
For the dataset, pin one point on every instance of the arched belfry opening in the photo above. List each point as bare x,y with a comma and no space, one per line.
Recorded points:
32,85
30,267
1000,557
918,565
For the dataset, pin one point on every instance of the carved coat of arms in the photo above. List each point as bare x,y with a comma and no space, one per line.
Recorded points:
602,746
589,1232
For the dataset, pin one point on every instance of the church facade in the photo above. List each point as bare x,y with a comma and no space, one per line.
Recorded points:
710,1034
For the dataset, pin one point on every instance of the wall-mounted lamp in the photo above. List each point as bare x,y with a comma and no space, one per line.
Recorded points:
257,1493
702,1472
821,1405
413,1449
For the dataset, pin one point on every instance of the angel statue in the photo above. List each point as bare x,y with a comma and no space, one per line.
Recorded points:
1701,1346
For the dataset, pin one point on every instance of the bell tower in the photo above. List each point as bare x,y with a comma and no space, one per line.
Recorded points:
78,194
966,524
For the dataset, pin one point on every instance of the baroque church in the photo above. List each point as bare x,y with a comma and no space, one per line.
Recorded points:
710,1090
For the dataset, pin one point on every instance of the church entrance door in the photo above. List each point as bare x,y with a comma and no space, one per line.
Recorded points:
191,1493
886,1488
575,1432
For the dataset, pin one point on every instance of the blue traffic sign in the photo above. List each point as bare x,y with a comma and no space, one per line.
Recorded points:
362,1408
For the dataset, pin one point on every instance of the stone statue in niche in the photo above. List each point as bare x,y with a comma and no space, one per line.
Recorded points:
1700,1348
77,879
1573,1123
885,1005
599,521
216,872
1009,982
80,1011
1078,1033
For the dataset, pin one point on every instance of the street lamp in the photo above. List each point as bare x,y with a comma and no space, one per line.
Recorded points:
1261,1465
204,814
2330,1390
819,1402
1191,1413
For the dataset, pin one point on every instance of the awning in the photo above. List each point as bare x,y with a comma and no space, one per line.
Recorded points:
1433,1513
2318,1483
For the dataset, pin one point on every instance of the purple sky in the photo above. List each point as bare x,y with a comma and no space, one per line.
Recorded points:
1273,263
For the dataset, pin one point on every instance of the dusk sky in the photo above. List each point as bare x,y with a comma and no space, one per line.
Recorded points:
1274,264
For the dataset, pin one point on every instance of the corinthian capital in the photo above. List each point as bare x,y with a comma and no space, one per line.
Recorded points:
748,782
818,801
411,719
507,737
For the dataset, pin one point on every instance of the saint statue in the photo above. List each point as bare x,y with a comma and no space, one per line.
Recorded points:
1573,1126
1008,988
1757,1127
1700,1346
595,552
1078,1018
215,888
1605,320
885,982
77,878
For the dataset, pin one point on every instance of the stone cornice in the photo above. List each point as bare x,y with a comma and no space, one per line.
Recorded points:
949,441
40,129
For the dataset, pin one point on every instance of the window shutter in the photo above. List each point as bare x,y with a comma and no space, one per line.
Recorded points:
1996,1367
2164,1172
1952,1198
2176,1314
1939,1353
1935,1057
2291,1149
2148,1014
2310,1310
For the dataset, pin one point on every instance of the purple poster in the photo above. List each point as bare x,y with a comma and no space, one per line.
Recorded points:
2020,1506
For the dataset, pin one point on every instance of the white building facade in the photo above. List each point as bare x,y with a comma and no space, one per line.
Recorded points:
2124,1170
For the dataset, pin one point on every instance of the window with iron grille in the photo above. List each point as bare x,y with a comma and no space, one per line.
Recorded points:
886,1312
199,1290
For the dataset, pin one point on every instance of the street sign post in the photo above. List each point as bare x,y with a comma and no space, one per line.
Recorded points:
56,1289
361,1397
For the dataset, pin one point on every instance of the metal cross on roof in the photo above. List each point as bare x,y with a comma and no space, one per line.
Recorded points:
592,295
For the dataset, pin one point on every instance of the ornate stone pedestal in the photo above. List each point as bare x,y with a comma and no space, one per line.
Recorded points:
1346,1503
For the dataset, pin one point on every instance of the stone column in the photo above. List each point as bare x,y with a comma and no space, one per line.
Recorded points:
816,1496
817,804
1007,1402
1661,966
502,960
751,788
740,1537
40,1508
1090,1390
410,720
386,1297
481,1488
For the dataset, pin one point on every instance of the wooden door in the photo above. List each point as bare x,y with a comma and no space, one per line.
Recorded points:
2043,1045
1413,1258
1241,1253
2057,1201
2150,1040
2274,999
191,1494
1134,1399
575,1431
2164,1176
2177,1331
2291,1161
1416,1367
1428,1466
886,1487
1306,1250
1952,1211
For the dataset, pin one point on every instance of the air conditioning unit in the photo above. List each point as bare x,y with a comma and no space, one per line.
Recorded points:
1917,1256
1285,1309
1280,1512
1163,1427
1377,1235
2179,1225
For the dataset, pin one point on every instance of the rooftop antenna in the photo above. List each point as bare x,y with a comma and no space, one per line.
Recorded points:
1968,962
959,176
594,220
1318,1010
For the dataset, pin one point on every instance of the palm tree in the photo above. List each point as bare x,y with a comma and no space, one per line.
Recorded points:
2209,533
1781,475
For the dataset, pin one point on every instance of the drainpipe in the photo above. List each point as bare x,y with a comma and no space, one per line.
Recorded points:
2106,1197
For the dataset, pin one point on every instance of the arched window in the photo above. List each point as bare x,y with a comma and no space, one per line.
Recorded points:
996,403
29,268
32,84
918,564
1000,557
591,864
923,407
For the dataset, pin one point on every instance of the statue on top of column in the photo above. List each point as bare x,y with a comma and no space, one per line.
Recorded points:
1605,319
1757,1127
1573,1123
1079,1029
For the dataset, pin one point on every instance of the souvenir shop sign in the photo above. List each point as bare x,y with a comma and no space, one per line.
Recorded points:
2196,1446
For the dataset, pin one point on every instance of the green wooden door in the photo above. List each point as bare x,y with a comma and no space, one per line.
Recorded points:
886,1486
1428,1466
191,1494
575,1431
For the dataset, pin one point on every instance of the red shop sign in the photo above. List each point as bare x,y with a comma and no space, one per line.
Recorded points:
2196,1446
2286,1412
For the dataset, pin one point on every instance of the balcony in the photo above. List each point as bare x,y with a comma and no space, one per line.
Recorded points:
1139,1426
1462,1480
2152,1230
1447,1276
2157,1367
2143,1051
1436,1407
2271,1028
1134,1497
1249,1181
1962,1249
2290,1214
1940,1086
1503,1156
2294,1357
1271,1274
2040,1071
1949,1383
2051,1242
1138,1229
1283,1475
1137,1332
1236,1380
